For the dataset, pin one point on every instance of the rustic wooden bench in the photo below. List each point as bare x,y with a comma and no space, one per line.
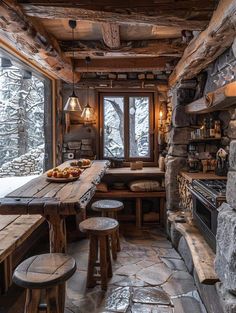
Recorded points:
138,196
202,255
14,231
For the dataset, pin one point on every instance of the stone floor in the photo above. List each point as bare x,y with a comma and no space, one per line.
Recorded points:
149,276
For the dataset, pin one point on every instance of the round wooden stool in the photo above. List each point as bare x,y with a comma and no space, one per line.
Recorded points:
99,229
46,275
109,208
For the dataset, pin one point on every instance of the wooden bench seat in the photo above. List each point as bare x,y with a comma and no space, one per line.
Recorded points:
138,196
14,231
202,255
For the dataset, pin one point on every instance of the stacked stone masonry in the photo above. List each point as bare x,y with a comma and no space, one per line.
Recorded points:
30,163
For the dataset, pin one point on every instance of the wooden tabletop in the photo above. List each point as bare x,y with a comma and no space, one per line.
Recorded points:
42,197
200,175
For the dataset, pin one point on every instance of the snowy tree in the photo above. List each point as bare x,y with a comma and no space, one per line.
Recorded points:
138,120
21,113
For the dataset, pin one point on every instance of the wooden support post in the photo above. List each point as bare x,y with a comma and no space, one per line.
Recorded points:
138,212
57,233
162,211
7,272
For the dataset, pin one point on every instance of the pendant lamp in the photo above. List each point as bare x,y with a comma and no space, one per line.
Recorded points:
72,104
88,113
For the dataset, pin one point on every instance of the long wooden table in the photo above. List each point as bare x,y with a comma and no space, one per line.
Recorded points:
55,201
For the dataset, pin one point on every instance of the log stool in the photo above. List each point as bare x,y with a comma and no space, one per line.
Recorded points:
109,208
45,276
99,229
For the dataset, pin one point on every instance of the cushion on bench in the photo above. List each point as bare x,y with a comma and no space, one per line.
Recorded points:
145,185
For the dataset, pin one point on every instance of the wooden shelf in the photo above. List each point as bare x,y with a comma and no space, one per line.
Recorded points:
130,194
204,140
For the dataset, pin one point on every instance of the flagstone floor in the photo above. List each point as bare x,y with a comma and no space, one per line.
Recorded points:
149,276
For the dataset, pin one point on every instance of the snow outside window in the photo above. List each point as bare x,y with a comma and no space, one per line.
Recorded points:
127,126
21,121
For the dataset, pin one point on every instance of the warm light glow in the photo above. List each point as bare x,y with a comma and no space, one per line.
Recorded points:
88,114
161,114
72,104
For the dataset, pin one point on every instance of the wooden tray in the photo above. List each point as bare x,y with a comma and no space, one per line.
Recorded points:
86,166
61,180
82,166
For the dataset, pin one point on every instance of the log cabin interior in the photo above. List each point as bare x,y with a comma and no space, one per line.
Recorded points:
118,156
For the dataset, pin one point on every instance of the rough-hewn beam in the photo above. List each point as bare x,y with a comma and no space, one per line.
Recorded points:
33,41
149,48
160,85
220,99
125,65
111,35
191,15
209,44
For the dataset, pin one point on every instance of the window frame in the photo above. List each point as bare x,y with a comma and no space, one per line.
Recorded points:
127,94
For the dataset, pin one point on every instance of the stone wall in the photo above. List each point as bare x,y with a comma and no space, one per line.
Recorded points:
178,138
30,163
225,263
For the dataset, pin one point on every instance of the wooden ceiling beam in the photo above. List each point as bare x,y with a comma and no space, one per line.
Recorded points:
141,48
111,35
32,40
192,15
125,65
209,44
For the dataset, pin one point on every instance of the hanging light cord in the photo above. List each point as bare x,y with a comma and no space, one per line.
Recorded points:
73,60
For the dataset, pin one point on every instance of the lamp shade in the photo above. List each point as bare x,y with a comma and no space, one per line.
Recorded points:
88,113
72,104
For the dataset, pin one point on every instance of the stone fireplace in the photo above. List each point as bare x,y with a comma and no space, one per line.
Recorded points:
223,292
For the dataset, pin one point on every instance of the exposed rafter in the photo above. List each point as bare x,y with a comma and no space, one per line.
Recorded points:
148,48
32,40
209,44
191,15
111,35
125,65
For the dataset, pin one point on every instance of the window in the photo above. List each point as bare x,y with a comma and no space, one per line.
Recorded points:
23,99
127,125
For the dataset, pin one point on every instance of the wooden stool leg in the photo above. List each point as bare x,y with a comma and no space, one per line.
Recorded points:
114,245
32,300
109,270
118,241
103,262
61,297
92,261
52,300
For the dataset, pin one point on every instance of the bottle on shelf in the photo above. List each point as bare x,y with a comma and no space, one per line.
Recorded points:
205,129
217,129
211,128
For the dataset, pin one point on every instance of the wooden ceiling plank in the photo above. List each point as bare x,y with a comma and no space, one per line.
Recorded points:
111,35
185,18
150,48
209,44
125,65
32,40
